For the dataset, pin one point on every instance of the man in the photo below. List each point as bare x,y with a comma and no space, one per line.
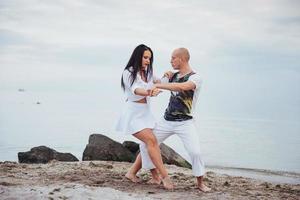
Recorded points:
178,118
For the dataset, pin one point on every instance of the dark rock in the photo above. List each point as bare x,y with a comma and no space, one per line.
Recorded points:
226,183
101,165
43,154
169,156
265,184
4,183
101,147
132,146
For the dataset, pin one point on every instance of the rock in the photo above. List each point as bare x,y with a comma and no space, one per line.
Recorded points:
266,184
131,146
226,183
169,156
101,147
101,165
43,154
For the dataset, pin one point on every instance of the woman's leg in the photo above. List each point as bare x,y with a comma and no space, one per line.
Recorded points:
137,165
162,131
156,179
147,136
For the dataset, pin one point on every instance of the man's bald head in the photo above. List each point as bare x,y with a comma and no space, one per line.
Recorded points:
182,53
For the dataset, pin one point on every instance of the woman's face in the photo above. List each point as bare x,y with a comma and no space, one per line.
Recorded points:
146,59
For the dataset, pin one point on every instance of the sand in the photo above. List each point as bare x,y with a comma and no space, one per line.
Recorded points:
105,180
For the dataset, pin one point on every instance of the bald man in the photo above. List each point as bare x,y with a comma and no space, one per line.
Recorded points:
178,118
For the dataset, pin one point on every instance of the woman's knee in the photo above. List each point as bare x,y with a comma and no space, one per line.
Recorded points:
151,140
147,137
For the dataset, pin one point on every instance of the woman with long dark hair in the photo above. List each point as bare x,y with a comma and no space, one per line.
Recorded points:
136,119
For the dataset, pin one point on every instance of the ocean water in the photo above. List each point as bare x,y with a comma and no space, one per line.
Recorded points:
64,119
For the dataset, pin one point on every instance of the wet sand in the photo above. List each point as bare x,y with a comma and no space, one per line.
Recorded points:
105,180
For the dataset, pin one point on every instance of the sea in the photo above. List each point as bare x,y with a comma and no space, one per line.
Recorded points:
64,120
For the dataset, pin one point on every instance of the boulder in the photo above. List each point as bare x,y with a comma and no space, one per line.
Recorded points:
43,154
101,147
169,156
132,146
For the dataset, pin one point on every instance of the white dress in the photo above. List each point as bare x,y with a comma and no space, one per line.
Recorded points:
135,116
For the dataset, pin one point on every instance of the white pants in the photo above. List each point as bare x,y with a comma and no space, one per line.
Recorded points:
187,132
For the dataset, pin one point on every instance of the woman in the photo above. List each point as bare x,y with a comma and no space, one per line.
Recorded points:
137,119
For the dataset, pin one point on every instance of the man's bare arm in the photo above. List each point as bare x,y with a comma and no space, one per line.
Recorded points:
189,85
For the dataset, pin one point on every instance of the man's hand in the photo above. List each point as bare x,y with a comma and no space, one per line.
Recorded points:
168,74
154,92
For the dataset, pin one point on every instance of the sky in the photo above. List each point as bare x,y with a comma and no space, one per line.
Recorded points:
69,55
246,51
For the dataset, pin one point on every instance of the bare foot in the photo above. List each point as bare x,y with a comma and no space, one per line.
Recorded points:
132,177
204,188
155,181
167,183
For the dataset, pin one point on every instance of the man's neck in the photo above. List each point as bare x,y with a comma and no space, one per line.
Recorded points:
185,69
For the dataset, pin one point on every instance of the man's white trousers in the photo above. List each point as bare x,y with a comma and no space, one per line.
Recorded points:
187,132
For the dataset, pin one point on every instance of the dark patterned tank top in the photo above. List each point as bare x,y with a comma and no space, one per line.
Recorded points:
180,103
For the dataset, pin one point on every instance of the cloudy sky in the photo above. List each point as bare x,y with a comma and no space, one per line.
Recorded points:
246,51
69,55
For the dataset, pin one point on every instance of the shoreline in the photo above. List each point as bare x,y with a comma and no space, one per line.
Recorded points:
82,179
273,176
259,174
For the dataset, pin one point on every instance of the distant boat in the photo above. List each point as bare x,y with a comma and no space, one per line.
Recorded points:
21,90
38,102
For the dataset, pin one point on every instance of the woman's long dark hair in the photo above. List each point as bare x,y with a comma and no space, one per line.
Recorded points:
135,62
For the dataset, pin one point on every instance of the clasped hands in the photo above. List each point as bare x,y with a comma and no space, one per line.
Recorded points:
154,91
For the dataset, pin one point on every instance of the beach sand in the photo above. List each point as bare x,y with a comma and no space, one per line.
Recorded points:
105,180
